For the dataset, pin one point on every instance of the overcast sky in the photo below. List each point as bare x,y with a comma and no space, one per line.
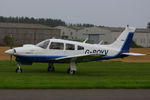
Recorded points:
116,13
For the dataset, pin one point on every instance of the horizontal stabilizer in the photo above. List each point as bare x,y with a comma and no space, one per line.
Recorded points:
134,54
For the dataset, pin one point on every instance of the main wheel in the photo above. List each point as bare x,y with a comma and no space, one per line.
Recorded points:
18,70
51,69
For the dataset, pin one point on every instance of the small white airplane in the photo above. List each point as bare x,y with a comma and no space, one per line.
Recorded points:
63,51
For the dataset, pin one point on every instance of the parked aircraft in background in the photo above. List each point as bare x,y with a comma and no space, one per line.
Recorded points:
63,51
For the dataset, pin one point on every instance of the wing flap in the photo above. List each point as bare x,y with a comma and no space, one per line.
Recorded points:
79,58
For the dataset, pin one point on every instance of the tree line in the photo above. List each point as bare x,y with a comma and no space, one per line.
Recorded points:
47,21
43,21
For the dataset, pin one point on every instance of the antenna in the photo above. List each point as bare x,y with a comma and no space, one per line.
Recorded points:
100,42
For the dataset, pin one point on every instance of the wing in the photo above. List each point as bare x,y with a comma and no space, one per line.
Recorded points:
78,58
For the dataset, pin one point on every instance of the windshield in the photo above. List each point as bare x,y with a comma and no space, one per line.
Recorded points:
43,44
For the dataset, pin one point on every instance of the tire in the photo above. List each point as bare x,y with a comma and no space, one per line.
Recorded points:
51,69
18,70
69,71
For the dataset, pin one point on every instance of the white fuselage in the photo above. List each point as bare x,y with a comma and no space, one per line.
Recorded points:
33,50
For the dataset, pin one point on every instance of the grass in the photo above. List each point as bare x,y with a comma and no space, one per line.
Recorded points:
90,75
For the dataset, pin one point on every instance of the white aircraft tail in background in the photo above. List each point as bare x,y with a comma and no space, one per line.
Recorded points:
63,51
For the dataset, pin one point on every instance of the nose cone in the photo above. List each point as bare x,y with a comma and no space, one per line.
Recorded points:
10,52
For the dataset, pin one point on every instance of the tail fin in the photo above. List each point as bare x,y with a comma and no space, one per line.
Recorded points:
124,40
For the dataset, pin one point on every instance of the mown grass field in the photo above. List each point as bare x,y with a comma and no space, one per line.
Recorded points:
90,75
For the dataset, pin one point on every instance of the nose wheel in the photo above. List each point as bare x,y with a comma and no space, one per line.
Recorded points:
18,70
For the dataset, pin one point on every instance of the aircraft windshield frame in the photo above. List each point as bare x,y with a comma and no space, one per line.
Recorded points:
44,44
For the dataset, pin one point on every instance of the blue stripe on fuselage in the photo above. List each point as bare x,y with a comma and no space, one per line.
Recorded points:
33,58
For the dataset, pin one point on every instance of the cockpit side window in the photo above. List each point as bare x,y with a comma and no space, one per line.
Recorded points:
80,48
57,45
43,44
70,47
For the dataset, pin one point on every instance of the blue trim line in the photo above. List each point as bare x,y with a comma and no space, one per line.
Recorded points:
31,58
126,46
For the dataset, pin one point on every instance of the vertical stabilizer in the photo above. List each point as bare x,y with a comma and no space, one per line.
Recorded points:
124,40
